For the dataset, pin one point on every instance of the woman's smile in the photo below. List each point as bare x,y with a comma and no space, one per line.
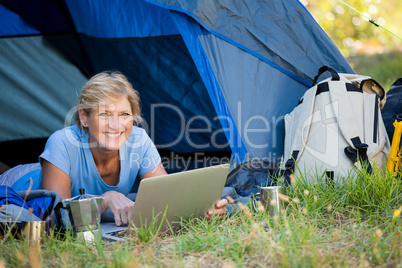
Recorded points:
113,134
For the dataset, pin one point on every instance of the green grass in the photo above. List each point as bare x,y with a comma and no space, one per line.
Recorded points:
348,225
384,68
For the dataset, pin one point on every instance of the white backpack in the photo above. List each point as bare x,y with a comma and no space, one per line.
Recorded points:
336,127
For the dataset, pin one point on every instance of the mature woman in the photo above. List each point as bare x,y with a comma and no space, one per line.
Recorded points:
104,152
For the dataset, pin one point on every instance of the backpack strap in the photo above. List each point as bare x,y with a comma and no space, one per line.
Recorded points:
323,69
359,152
342,107
290,167
329,177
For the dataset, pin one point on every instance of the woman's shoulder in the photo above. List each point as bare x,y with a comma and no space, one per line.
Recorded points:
138,132
64,147
138,138
70,130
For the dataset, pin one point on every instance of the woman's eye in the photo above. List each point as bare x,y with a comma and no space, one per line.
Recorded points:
103,114
125,114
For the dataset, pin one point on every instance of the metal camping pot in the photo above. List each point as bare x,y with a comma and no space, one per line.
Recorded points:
35,231
83,211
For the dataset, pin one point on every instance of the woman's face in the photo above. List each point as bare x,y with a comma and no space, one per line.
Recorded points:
110,125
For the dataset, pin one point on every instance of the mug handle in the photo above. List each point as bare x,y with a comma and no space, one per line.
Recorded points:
57,213
254,201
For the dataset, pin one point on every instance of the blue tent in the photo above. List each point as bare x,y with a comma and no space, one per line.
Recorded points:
212,75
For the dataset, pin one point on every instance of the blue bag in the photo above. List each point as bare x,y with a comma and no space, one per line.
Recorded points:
393,107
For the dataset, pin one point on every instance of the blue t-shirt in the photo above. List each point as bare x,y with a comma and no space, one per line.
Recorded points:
69,150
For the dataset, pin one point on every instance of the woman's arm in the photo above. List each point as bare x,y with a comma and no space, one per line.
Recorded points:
54,179
159,170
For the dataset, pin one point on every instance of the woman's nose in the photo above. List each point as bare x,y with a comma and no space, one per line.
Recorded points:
114,122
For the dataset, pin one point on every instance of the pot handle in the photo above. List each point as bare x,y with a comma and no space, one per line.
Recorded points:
58,214
254,201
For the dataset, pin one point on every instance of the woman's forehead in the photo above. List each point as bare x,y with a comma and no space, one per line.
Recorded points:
113,104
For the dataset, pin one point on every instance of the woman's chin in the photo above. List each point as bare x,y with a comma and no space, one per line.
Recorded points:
111,146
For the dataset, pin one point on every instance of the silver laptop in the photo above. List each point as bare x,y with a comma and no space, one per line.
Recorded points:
166,200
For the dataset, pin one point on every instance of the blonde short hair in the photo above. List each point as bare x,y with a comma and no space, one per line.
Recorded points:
107,86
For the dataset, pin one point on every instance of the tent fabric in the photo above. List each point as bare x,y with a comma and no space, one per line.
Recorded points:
16,26
124,19
212,75
252,114
284,46
34,17
281,33
36,96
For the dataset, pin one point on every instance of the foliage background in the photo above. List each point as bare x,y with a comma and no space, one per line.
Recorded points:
351,32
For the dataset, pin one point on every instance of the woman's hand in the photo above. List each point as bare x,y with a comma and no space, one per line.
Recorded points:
219,209
121,206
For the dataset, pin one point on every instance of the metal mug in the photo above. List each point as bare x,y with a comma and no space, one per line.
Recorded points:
34,231
270,199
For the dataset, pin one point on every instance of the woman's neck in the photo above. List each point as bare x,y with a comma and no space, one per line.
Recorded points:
108,165
103,157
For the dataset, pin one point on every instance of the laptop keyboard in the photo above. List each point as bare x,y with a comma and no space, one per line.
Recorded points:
115,235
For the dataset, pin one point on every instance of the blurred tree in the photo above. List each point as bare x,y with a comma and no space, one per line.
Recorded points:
353,33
